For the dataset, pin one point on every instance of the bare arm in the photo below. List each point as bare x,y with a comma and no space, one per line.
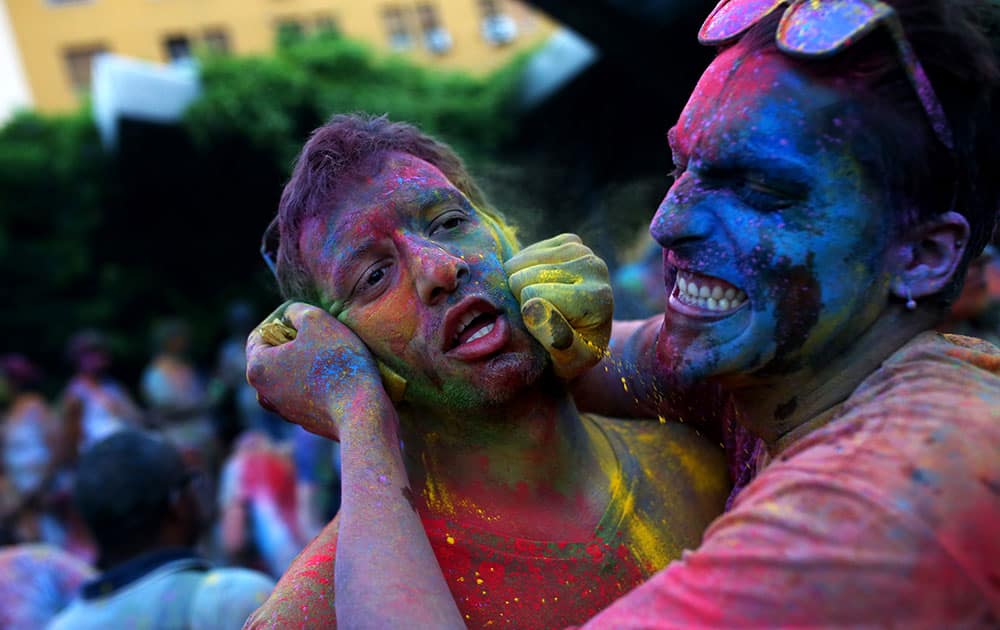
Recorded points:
622,384
327,381
386,574
628,383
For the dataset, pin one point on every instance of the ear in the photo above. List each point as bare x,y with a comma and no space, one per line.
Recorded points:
929,256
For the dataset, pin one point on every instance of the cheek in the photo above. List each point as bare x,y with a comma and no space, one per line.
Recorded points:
487,274
388,324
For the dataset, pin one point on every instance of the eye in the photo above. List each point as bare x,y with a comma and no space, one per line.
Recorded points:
767,195
448,221
373,277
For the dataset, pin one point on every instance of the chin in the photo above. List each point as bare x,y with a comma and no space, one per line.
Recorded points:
685,357
509,374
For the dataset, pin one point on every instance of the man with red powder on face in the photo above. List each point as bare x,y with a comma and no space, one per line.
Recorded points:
539,516
836,173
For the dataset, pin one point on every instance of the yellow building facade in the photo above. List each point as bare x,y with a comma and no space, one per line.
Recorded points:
57,39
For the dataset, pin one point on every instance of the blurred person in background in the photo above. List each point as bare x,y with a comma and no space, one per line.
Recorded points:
976,312
94,405
258,505
317,470
231,372
178,397
27,452
36,582
139,501
638,282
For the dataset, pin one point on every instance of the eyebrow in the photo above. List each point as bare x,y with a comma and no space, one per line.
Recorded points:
766,157
342,264
433,197
751,156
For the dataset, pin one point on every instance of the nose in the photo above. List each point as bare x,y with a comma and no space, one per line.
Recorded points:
437,272
682,217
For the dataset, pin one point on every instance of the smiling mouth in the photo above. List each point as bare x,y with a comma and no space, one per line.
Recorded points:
699,295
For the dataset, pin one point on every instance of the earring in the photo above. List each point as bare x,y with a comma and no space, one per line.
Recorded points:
911,304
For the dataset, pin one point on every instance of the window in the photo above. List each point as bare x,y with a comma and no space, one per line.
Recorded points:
498,28
396,27
326,23
79,61
437,39
216,40
289,30
178,47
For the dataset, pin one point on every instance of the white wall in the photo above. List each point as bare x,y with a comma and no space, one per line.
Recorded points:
14,92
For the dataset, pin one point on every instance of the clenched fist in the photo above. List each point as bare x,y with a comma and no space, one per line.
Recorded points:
311,369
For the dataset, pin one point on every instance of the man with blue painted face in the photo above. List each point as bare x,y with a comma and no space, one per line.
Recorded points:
836,172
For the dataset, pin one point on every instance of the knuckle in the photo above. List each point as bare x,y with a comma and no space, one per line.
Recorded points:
255,373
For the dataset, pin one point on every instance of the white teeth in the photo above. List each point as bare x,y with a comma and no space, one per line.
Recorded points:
708,296
482,332
466,320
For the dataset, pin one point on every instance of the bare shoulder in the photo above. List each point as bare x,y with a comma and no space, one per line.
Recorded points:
680,478
670,451
304,596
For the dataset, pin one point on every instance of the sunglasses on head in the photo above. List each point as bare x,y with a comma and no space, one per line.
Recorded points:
820,28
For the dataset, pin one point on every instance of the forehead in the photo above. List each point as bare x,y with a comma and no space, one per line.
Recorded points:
370,208
402,181
404,187
760,100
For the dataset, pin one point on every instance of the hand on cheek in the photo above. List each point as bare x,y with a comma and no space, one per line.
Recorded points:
312,370
566,304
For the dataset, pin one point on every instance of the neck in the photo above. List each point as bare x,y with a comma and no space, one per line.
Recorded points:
529,459
785,408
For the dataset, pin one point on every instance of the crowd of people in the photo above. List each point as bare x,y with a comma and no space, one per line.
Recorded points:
76,467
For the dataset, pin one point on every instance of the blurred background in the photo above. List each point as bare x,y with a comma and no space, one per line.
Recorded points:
145,142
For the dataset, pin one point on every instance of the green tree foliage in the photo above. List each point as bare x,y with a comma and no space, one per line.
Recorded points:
169,224
52,182
274,101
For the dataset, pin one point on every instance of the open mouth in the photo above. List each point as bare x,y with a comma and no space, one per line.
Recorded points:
705,296
474,328
473,325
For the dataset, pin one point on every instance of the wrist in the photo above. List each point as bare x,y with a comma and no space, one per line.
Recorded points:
368,413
